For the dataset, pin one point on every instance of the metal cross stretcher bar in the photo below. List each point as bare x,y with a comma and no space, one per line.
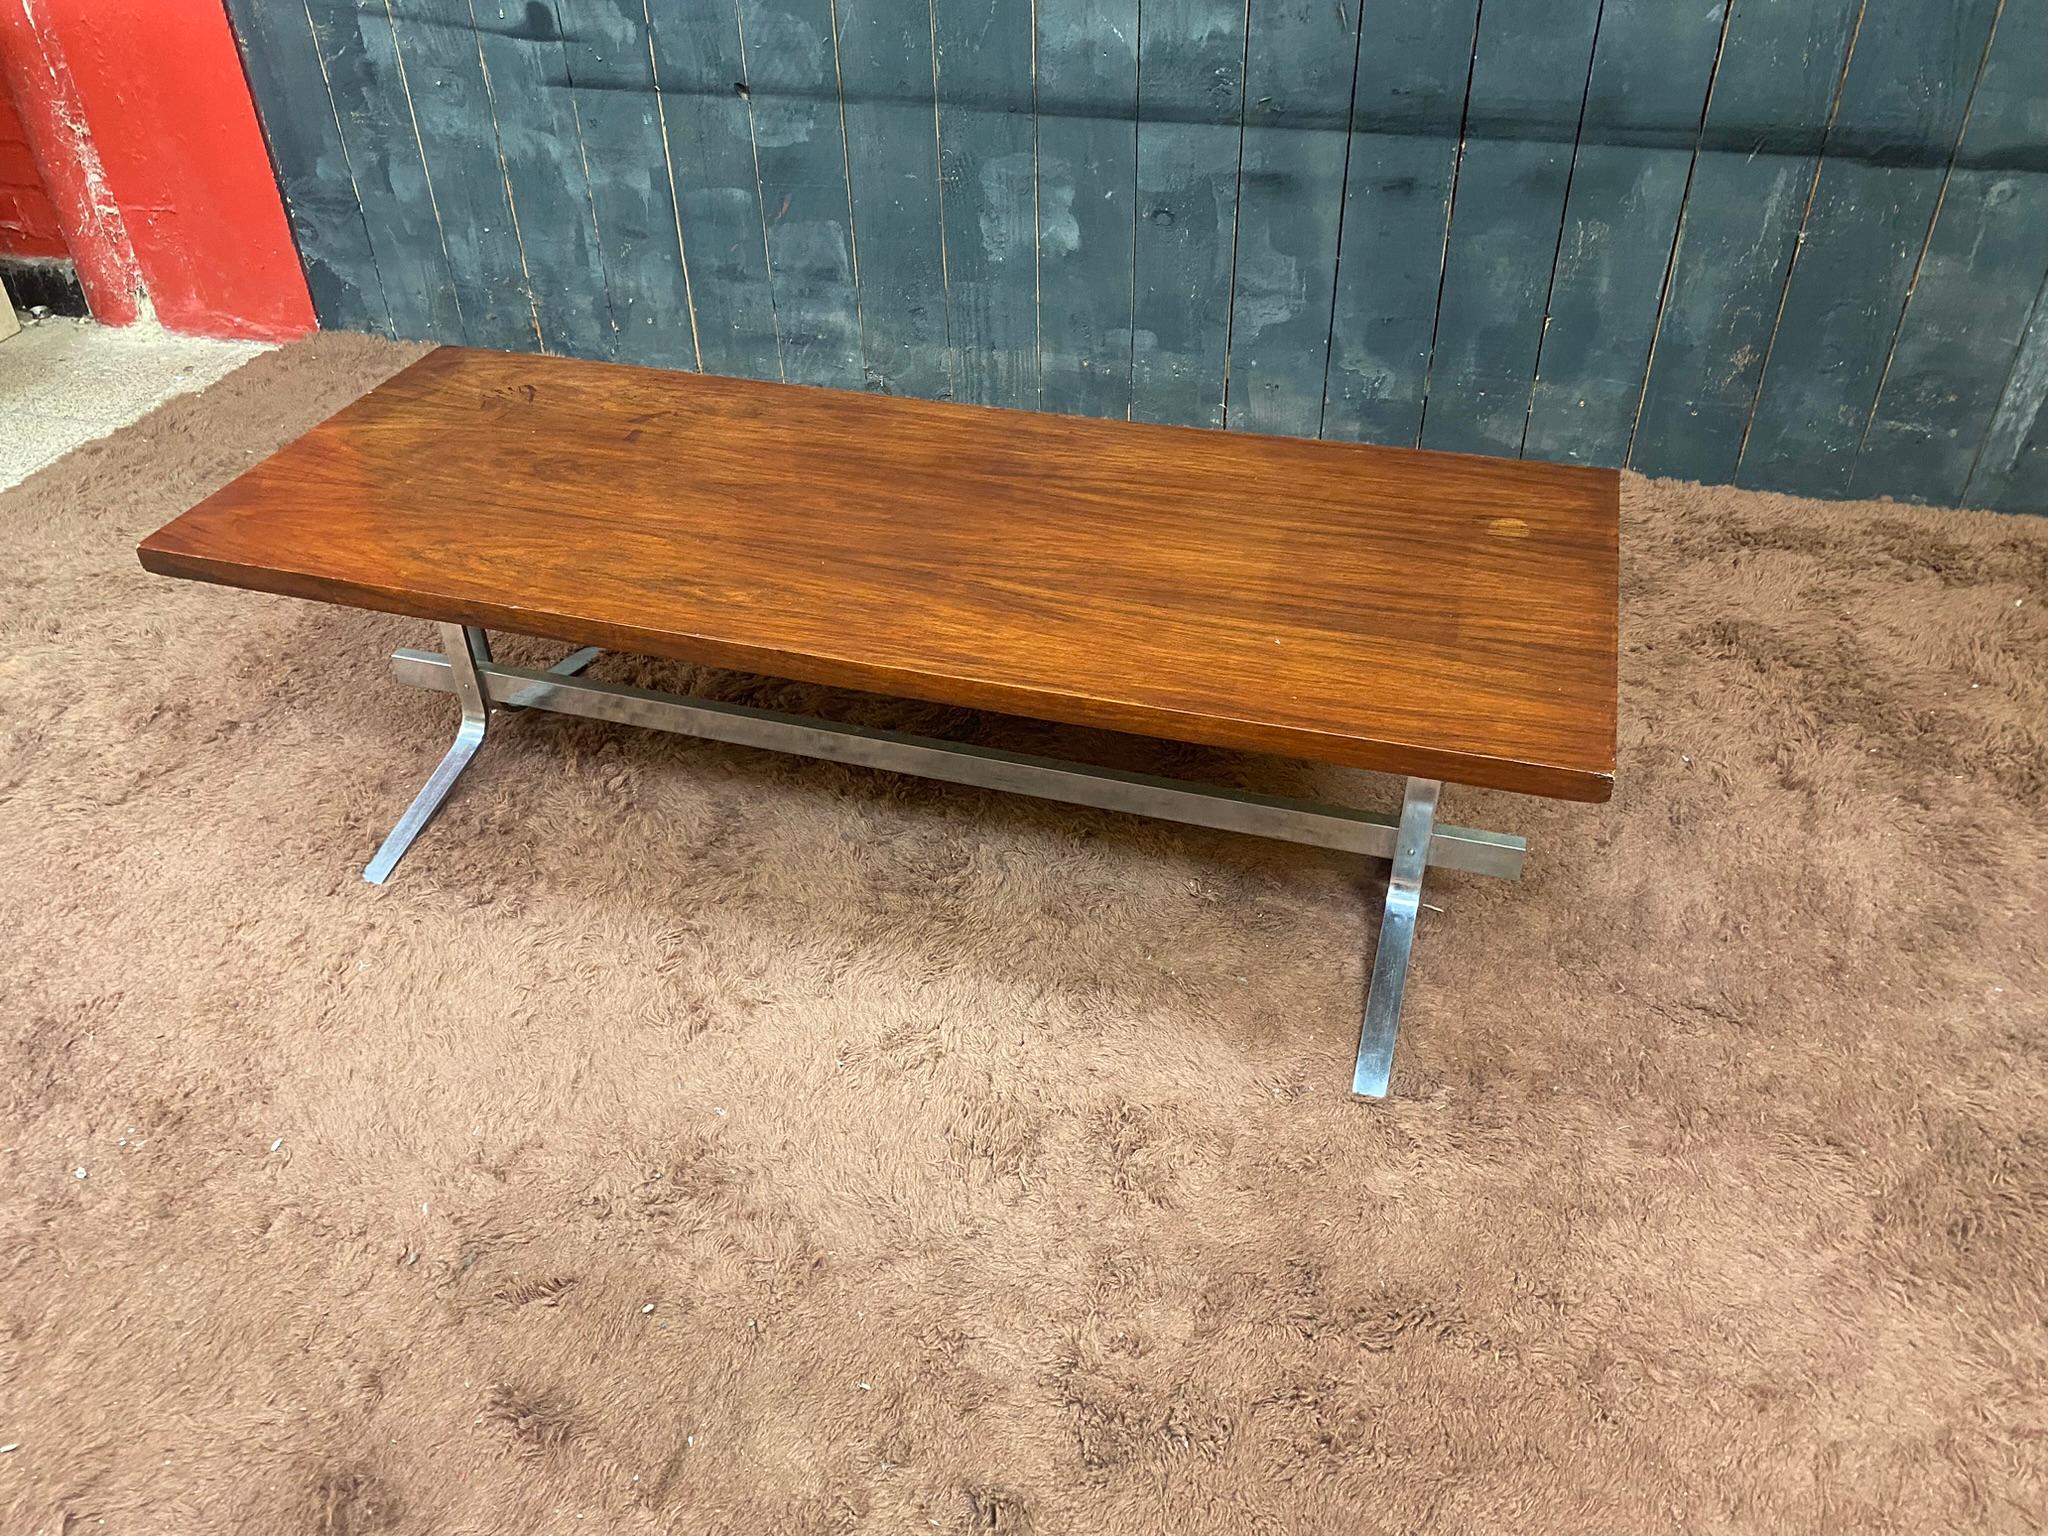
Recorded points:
1415,841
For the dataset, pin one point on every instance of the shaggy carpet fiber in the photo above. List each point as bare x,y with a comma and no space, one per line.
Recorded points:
696,1140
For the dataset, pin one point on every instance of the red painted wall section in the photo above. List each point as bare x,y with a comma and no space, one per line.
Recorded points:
171,184
46,102
28,219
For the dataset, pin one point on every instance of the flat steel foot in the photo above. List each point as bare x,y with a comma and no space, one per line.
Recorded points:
1397,941
466,650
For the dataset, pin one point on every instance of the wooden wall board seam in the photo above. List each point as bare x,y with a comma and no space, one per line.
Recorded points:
760,189
2022,400
675,196
1343,183
269,36
1913,76
611,297
1087,196
1137,192
1186,166
983,124
1511,203
415,274
1443,269
1779,77
846,169
1678,233
511,202
612,105
1037,216
1300,80
1636,154
1411,81
1564,215
1236,213
426,166
1927,238
697,68
483,185
1812,191
1968,319
798,126
889,103
340,144
348,162
1037,243
949,358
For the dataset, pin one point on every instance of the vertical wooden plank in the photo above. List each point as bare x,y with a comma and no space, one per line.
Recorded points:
2011,471
1414,68
1087,195
791,54
1976,288
1529,80
1190,136
609,69
986,133
887,74
1902,106
708,119
1780,70
541,156
373,113
1636,146
441,71
1299,71
313,171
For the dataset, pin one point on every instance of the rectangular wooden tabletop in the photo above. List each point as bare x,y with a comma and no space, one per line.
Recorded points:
1417,613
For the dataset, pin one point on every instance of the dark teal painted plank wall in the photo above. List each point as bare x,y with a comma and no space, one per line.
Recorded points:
1798,244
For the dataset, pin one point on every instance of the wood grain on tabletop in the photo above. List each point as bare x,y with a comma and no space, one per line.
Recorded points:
1409,612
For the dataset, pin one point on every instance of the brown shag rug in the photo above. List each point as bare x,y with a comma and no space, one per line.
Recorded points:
694,1140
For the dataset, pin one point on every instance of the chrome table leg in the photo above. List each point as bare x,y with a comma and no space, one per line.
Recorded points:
466,649
1414,841
1397,939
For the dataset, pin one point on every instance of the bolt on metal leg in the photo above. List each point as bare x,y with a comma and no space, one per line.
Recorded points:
1397,940
467,649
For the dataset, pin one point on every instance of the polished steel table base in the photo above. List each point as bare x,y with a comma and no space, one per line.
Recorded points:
1413,842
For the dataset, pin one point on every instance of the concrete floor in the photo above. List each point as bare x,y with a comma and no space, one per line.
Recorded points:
65,382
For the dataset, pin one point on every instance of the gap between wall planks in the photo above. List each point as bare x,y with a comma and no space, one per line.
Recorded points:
1796,243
